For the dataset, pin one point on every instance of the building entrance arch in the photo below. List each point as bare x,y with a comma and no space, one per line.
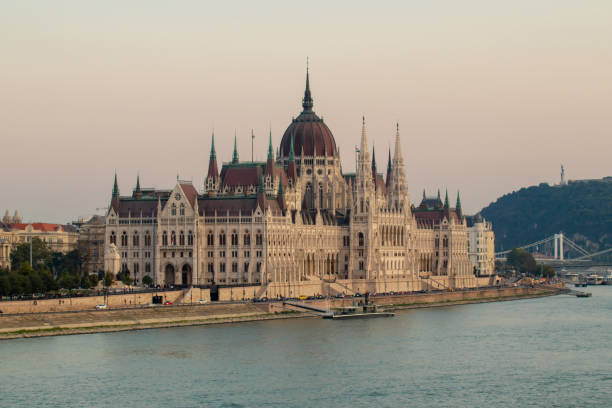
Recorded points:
169,275
186,275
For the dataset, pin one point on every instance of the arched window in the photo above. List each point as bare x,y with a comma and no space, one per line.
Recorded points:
234,266
173,238
247,238
258,238
210,239
147,239
136,239
190,238
222,238
361,239
181,238
234,238
173,209
165,238
182,209
148,267
113,238
124,239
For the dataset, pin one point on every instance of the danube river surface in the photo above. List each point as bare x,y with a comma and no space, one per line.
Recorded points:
554,351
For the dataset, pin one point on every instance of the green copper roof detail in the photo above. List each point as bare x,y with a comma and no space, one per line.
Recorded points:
115,187
373,160
307,102
424,198
270,150
235,154
439,194
446,200
458,206
213,154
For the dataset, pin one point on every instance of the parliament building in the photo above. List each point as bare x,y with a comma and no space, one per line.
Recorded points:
293,225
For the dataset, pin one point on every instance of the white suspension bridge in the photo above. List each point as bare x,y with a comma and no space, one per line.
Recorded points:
558,250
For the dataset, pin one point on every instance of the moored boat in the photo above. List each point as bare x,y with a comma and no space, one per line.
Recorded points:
358,311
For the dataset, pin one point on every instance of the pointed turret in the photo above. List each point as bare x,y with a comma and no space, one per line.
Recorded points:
212,177
424,198
270,162
235,154
291,169
115,188
458,206
398,191
374,166
446,205
137,192
389,171
439,198
307,102
115,198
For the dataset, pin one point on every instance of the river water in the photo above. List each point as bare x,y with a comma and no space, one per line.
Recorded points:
545,352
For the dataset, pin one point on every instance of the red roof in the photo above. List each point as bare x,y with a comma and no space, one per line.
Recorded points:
309,134
38,226
190,193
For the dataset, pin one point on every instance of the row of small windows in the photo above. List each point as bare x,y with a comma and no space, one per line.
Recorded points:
234,238
211,267
181,238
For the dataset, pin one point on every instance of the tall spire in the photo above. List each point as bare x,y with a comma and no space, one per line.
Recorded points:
424,198
373,161
115,187
398,149
458,206
270,150
389,170
364,139
446,205
213,171
307,101
213,154
235,155
137,193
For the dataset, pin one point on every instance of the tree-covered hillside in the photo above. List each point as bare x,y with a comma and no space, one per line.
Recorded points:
582,210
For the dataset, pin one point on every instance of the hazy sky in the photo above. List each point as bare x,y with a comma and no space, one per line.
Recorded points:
490,95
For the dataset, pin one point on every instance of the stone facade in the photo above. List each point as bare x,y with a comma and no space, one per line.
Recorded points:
91,244
294,224
481,246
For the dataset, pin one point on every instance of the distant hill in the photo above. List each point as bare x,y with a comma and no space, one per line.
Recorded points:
582,210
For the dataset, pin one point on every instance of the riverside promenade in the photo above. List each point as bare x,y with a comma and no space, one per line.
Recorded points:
136,317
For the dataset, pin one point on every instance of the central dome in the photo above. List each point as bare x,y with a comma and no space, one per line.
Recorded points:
311,136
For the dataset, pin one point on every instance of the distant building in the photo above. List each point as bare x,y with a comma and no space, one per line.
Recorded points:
5,246
91,244
481,245
59,238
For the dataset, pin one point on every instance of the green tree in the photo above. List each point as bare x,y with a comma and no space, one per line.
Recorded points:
5,284
108,279
41,254
548,271
147,281
126,279
68,281
522,260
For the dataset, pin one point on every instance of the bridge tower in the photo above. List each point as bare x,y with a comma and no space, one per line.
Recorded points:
558,240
